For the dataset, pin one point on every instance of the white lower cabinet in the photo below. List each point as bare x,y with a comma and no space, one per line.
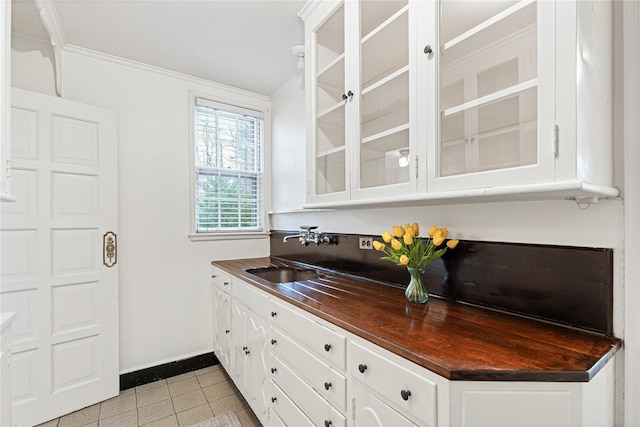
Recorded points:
295,369
250,357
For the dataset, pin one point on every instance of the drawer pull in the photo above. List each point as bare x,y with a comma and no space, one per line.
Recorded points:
273,400
327,386
273,342
327,347
274,314
226,331
405,394
273,370
362,368
327,423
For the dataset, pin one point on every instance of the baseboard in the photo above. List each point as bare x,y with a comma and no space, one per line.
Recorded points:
166,370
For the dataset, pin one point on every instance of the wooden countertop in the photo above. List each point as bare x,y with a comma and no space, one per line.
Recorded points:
454,340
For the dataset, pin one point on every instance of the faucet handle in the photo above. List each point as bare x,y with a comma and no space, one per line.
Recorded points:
308,227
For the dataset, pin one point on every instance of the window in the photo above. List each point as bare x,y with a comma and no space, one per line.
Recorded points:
228,147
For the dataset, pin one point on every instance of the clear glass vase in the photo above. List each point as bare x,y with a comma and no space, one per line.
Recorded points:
415,291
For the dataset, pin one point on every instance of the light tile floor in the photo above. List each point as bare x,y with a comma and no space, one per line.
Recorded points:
178,401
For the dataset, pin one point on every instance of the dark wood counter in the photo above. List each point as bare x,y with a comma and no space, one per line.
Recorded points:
454,340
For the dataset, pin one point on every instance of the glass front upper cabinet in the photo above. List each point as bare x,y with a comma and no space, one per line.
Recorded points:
488,88
383,151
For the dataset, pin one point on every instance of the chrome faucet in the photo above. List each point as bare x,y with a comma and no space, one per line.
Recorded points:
309,235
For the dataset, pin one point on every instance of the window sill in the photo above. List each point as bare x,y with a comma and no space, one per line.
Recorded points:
200,237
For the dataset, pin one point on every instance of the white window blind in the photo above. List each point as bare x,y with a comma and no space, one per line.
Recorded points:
228,162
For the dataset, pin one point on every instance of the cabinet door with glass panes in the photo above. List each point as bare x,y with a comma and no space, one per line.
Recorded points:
385,157
495,94
327,103
360,132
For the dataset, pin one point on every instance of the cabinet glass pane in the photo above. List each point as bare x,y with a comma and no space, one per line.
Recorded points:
330,170
390,39
330,40
384,88
330,107
488,85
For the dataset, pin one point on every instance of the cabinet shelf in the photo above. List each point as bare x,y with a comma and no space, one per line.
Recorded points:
491,97
326,73
331,152
487,23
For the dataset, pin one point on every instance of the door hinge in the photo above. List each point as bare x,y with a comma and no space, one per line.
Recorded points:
416,167
555,140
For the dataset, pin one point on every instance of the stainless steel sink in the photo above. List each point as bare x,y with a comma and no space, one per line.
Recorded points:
283,274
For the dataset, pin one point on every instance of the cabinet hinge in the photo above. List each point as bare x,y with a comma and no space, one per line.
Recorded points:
555,140
7,172
416,167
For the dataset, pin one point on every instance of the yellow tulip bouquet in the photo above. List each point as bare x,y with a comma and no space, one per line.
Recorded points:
406,248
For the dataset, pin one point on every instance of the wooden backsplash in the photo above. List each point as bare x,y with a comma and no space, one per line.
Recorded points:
567,285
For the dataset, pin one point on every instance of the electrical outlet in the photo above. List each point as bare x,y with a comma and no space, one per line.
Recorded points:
366,243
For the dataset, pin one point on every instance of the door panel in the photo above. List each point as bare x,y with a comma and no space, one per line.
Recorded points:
65,336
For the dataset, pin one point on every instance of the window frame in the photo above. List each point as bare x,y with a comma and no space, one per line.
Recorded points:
247,101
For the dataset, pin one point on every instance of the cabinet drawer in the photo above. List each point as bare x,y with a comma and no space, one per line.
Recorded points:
315,372
256,300
403,389
221,280
286,410
307,399
325,343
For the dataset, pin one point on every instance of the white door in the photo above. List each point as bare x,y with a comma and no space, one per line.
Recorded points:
56,273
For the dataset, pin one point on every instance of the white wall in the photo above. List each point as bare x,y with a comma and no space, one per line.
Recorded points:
164,278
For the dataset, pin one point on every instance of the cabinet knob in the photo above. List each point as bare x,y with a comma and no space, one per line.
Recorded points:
213,276
327,423
225,283
244,347
405,394
274,370
350,94
427,49
226,331
362,368
273,400
274,314
327,386
246,352
344,96
273,342
327,347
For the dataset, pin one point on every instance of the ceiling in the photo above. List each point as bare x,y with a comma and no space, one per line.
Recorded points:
241,43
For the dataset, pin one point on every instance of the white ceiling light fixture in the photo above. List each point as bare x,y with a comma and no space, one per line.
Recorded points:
298,51
403,160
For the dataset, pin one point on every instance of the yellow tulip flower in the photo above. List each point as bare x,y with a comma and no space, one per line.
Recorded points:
397,230
432,230
444,232
404,260
438,239
395,244
379,246
407,238
452,243
416,229
386,236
